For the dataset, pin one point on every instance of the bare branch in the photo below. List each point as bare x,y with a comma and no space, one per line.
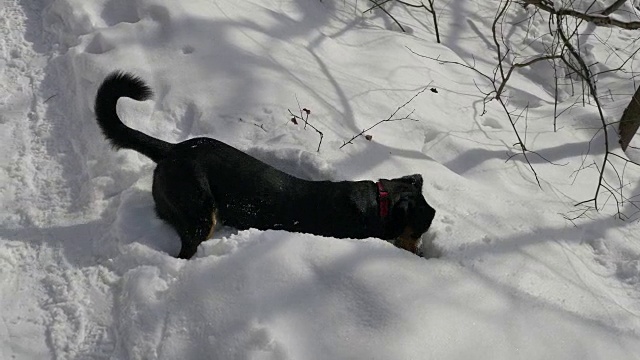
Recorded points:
602,19
430,10
261,126
389,119
306,122
521,65
379,6
500,14
585,74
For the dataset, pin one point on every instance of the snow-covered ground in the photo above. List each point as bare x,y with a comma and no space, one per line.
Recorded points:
86,269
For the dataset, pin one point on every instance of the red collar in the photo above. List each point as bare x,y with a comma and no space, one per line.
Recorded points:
383,200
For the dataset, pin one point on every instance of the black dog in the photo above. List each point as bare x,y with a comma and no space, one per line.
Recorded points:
202,181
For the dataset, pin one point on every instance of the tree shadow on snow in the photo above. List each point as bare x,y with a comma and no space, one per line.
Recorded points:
470,159
79,243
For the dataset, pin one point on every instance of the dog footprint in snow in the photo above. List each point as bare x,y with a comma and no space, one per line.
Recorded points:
188,49
430,134
446,219
448,222
430,137
628,271
261,339
429,249
491,122
99,45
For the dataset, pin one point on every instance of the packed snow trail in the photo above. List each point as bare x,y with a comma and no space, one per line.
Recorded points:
48,303
24,322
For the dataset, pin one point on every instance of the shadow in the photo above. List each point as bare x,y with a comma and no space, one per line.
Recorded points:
341,277
452,37
367,158
592,229
116,11
80,243
489,44
470,159
67,119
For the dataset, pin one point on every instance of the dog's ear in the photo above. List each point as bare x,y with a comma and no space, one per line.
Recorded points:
401,209
415,180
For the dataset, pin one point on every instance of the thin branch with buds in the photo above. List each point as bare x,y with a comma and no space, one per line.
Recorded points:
304,116
389,119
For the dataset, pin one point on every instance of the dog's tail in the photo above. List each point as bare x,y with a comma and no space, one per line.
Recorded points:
116,85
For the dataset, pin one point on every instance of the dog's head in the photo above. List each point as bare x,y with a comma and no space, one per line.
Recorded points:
410,215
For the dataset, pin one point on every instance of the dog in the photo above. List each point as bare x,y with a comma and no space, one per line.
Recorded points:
201,182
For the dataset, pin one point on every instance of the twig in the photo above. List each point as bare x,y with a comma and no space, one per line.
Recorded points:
430,10
306,122
496,89
585,75
49,98
261,126
379,6
376,5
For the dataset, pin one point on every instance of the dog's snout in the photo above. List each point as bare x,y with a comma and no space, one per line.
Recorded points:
408,240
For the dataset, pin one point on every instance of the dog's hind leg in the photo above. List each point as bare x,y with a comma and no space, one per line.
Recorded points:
184,200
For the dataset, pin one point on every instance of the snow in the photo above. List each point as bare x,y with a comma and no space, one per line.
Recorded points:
87,270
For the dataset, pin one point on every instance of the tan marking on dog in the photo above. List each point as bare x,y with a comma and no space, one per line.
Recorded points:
406,241
214,221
